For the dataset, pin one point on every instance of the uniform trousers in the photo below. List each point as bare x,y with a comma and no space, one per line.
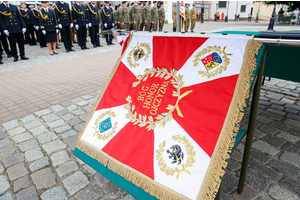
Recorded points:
42,40
4,43
26,36
108,37
142,26
136,26
148,26
154,27
82,36
31,36
161,26
193,22
94,30
13,37
125,26
66,37
187,25
181,22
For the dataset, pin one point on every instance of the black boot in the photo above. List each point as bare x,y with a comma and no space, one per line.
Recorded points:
174,29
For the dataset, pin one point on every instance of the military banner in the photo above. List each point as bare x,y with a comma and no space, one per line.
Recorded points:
168,116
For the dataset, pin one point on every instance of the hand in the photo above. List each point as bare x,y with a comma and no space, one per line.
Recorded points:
113,24
160,21
6,32
140,21
152,22
71,25
57,30
131,22
0,33
134,22
86,26
145,21
37,28
122,23
59,26
90,24
44,32
76,26
105,25
23,30
99,24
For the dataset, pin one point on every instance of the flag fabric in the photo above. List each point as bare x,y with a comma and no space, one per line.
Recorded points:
167,117
182,10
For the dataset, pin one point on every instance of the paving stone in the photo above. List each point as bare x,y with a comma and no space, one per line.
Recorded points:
295,107
16,171
275,96
77,99
112,190
266,103
11,124
265,170
295,131
33,124
277,107
240,147
290,147
291,158
233,166
291,183
33,154
46,137
68,134
90,193
295,117
100,179
287,101
72,141
54,146
62,129
1,168
277,102
288,137
43,178
39,130
50,118
68,117
84,116
75,182
89,169
56,124
292,87
129,197
13,159
285,168
56,108
7,150
275,141
62,112
4,142
230,183
265,147
263,119
42,112
80,161
281,113
66,168
249,193
22,137
271,116
72,107
4,184
87,97
260,157
2,134
289,110
29,144
16,131
280,193
39,164
56,193
78,112
59,158
82,103
88,108
27,119
66,103
279,125
78,127
268,129
21,183
29,193
74,121
292,122
257,180
7,196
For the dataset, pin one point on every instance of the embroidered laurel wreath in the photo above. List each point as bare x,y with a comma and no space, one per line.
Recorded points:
161,119
130,54
96,126
190,159
220,69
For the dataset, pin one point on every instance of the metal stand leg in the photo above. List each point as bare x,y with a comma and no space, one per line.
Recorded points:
251,125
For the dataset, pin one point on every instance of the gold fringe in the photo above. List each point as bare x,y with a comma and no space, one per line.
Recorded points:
225,143
61,12
79,13
5,14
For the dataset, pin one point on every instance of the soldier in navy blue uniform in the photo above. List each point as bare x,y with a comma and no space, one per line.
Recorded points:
23,12
3,42
94,23
30,26
63,15
13,26
40,35
81,23
49,27
108,21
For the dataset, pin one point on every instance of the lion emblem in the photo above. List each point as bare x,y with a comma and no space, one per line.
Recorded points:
176,154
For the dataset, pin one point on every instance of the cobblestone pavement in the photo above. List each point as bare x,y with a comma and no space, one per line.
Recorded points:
36,159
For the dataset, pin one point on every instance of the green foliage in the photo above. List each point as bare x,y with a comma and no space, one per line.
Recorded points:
291,4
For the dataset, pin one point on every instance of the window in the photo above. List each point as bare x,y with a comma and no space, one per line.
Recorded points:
243,8
222,4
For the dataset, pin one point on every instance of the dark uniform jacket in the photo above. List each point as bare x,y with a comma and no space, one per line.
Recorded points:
107,16
36,16
63,14
31,17
24,14
47,20
78,15
92,15
10,19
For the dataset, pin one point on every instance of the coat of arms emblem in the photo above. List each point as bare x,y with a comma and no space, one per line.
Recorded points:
138,54
141,50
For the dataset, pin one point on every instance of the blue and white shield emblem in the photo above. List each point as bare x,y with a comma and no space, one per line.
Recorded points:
105,125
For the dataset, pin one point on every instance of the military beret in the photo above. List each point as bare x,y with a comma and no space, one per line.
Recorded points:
132,3
161,3
149,2
124,2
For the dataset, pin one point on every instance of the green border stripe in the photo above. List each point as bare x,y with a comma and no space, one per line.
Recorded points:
240,32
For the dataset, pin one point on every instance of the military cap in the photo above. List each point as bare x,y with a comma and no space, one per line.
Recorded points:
161,2
44,1
109,4
124,2
101,5
132,3
154,1
23,2
31,6
149,2
106,1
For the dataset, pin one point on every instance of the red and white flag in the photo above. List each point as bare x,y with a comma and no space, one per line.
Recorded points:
165,107
182,10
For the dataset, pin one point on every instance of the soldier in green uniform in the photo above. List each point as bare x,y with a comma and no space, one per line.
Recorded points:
116,16
154,16
142,16
174,17
136,16
119,13
124,16
147,16
100,12
130,15
187,17
193,17
161,16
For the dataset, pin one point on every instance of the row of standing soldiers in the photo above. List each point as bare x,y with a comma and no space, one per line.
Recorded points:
140,16
189,18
